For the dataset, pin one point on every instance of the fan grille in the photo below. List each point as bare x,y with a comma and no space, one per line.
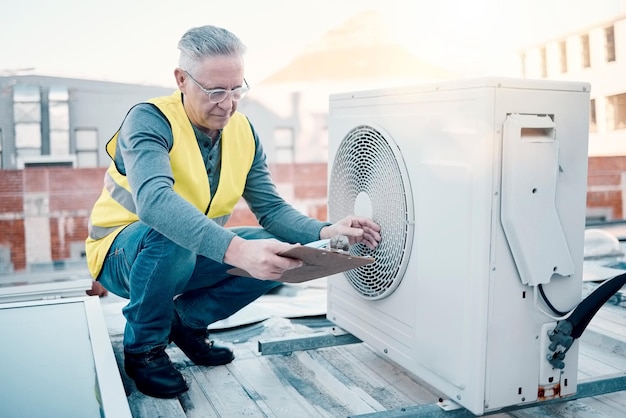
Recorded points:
369,162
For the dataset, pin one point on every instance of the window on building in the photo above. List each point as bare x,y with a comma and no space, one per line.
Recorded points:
284,145
27,120
616,112
544,62
59,111
609,39
563,56
585,58
1,149
592,116
86,147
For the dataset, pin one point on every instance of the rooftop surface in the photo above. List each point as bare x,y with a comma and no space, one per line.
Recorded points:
340,380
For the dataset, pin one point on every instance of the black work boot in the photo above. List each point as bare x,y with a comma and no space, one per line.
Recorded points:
196,345
154,373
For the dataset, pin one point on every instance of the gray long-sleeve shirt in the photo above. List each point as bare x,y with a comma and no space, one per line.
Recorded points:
142,154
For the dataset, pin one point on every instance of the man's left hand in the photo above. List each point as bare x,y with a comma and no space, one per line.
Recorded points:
358,229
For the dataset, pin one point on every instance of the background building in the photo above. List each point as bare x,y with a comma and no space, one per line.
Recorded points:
596,54
62,121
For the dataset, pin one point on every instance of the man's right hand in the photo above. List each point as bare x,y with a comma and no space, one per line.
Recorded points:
261,257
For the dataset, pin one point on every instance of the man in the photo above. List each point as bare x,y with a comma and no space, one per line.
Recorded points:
179,165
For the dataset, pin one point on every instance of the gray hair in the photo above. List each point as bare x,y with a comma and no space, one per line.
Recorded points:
207,41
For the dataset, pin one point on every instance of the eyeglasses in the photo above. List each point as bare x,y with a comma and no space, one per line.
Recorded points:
219,95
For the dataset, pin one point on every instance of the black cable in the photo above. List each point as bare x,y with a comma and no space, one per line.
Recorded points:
545,299
587,309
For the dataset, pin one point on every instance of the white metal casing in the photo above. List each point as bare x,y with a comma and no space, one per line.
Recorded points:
462,317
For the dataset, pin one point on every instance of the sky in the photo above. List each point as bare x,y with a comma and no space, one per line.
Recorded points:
135,41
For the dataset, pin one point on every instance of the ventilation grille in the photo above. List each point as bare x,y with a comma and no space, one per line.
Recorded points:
369,164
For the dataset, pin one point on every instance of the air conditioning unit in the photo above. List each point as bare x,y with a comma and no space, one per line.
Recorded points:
480,189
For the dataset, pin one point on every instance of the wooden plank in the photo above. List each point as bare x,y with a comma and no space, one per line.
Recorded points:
143,406
575,409
615,402
610,314
591,361
278,398
565,409
415,389
195,402
617,361
602,341
605,406
354,397
227,396
291,372
359,374
611,329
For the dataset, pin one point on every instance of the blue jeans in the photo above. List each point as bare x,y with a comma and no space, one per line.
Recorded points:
158,277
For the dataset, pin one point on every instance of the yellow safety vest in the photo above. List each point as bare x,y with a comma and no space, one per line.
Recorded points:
115,207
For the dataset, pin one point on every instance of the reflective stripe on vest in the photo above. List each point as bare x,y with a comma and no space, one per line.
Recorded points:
119,194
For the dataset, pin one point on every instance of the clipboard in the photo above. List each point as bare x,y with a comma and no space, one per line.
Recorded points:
318,262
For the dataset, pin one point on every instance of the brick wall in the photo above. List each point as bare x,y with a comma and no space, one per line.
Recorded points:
63,196
309,190
605,184
12,216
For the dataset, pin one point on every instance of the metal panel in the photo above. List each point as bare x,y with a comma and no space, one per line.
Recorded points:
57,360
